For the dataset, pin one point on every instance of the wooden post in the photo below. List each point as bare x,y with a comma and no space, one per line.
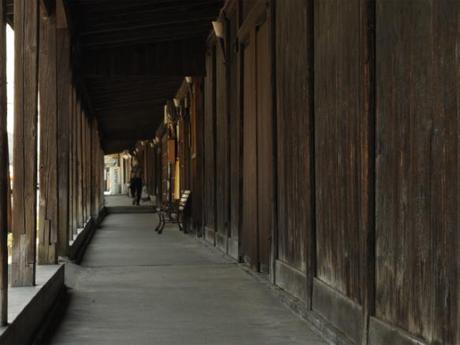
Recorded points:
71,160
64,81
88,167
4,171
94,168
48,210
79,115
25,143
75,141
85,167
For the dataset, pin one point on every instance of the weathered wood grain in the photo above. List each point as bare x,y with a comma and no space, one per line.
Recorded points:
221,147
209,142
25,143
341,155
264,151
48,220
248,235
235,137
417,168
197,153
293,128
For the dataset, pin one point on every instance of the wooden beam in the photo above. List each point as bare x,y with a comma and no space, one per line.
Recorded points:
25,143
4,172
48,206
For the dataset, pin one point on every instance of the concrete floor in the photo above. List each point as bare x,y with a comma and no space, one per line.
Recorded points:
124,200
136,287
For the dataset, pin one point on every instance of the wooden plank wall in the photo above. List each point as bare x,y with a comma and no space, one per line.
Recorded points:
248,239
221,147
197,117
209,180
234,133
342,128
417,88
365,109
294,146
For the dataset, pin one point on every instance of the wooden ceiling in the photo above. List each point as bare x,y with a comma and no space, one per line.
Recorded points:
130,57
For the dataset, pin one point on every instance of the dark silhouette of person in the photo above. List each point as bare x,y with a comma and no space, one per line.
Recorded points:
136,183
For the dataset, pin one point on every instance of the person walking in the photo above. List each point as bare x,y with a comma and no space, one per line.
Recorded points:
136,183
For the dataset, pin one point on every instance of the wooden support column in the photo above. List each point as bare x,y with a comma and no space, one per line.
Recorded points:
94,168
71,165
88,168
25,143
100,169
4,171
75,142
80,218
48,206
64,82
84,166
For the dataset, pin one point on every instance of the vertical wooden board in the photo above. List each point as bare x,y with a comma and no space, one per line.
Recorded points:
235,130
48,205
221,147
25,143
341,156
293,128
198,161
265,201
64,82
407,141
209,143
248,234
445,171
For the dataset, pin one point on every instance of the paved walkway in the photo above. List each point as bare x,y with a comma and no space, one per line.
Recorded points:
136,287
123,200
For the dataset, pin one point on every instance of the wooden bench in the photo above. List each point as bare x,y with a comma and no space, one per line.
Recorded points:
172,213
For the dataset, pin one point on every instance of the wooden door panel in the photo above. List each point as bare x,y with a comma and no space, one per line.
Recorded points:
264,147
249,210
